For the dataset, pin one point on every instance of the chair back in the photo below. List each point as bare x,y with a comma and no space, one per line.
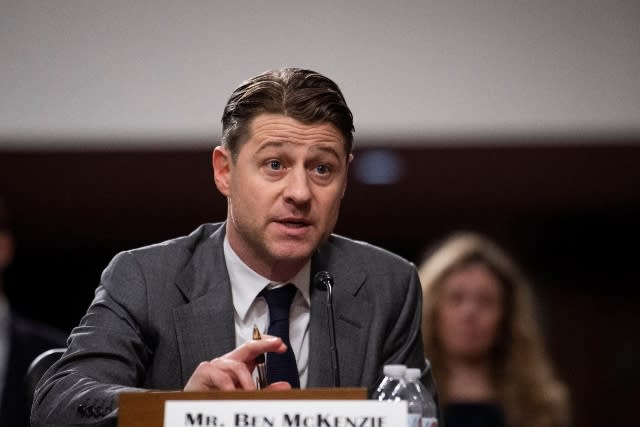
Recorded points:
37,369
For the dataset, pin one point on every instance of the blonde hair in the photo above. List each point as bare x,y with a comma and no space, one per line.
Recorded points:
521,372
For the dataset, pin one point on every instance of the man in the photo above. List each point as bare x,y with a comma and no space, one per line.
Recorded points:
179,315
21,341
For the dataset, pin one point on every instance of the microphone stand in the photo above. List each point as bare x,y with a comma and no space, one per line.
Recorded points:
326,280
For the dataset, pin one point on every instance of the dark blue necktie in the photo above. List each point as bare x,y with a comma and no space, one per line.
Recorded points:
281,366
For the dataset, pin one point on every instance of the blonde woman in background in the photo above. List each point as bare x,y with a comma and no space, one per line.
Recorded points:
484,345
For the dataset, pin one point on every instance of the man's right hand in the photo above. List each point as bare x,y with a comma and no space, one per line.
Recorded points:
232,371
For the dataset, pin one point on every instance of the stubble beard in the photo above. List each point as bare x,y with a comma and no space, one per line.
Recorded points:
267,256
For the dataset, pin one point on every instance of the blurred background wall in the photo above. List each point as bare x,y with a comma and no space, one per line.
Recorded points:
519,119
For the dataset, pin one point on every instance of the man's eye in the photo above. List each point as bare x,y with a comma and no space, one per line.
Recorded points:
275,164
323,169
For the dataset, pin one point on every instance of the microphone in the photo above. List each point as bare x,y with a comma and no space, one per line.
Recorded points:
324,280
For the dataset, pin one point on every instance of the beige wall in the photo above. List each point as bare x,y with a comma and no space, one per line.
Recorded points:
152,71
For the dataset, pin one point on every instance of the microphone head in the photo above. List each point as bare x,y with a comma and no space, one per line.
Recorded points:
324,279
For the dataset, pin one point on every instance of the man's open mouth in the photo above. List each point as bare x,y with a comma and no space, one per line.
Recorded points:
292,223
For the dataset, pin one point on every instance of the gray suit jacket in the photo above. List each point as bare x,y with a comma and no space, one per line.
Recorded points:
161,310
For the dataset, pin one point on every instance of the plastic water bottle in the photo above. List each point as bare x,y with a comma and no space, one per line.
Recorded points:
420,397
393,376
393,388
414,399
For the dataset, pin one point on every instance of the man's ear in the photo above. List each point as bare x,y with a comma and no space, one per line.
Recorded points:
222,163
346,176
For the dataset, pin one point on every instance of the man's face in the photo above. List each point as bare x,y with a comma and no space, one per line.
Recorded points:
284,192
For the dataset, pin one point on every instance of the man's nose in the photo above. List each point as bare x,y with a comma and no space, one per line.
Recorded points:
298,188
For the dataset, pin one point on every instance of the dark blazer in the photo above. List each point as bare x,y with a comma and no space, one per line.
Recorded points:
27,339
161,310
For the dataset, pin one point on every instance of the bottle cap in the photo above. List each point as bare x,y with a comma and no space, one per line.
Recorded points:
412,374
395,371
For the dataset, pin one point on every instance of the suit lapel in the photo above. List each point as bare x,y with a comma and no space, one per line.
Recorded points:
351,316
205,325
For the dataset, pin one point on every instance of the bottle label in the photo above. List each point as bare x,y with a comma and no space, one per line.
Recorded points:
413,420
429,422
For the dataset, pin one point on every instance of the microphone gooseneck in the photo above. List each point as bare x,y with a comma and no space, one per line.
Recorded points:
324,280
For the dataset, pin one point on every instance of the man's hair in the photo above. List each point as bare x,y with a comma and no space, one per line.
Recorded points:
303,95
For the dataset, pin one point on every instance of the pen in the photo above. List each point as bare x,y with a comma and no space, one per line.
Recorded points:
260,365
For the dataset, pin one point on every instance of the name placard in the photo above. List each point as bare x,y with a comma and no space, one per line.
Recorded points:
284,413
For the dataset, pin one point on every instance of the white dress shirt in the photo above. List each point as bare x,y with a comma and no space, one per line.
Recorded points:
251,309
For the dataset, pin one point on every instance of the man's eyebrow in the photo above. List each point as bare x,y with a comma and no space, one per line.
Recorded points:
270,144
279,144
327,149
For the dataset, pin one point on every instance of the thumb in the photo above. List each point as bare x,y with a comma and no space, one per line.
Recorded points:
278,386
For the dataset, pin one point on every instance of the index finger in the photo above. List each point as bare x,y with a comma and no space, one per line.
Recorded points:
248,351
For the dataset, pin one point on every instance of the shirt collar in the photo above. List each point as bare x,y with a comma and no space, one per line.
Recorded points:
246,284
